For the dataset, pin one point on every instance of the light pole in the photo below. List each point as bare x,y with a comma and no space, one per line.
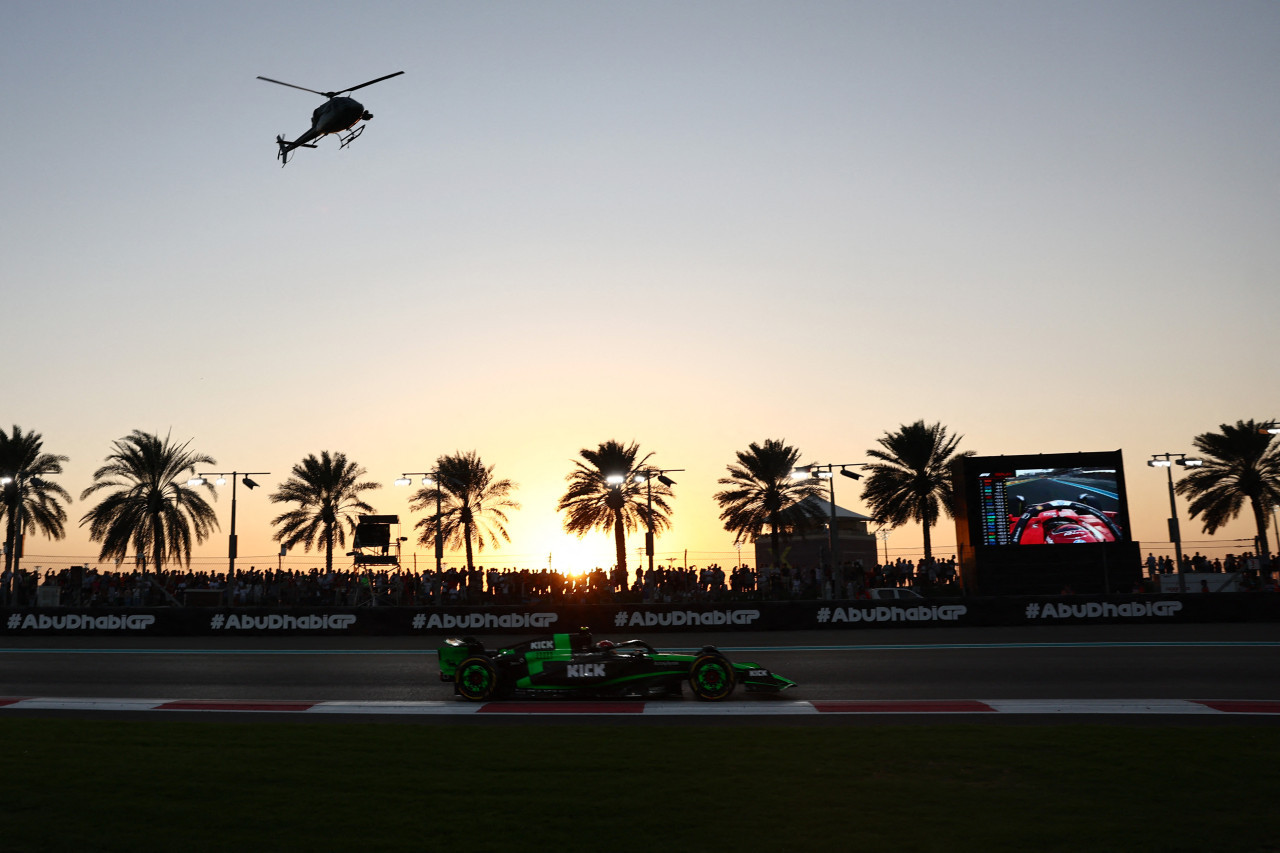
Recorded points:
647,476
883,535
827,472
1166,460
430,478
201,479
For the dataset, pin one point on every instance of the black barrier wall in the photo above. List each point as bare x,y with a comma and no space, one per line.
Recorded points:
637,619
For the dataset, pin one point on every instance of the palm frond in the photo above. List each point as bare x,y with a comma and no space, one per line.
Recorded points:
591,502
326,492
911,479
1239,464
762,492
148,508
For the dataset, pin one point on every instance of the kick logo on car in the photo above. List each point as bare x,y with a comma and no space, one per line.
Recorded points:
585,670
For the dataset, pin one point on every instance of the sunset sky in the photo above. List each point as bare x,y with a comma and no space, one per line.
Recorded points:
695,225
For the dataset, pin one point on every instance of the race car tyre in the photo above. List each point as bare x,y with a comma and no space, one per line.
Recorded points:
711,678
476,679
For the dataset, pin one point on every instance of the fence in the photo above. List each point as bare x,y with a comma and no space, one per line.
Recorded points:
619,619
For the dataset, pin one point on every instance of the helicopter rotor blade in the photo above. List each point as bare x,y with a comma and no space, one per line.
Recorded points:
371,82
303,88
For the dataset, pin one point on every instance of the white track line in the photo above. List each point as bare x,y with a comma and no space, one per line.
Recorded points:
1101,706
401,708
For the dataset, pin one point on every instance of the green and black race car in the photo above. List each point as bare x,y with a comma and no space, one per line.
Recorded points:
571,665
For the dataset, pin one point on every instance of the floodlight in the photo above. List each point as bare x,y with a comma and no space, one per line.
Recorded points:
221,481
249,484
1159,463
403,481
615,479
194,481
852,475
1191,463
665,480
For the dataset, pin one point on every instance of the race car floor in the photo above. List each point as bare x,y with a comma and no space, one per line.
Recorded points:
661,708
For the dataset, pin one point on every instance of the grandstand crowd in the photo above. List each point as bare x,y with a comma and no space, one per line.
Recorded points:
254,587
364,586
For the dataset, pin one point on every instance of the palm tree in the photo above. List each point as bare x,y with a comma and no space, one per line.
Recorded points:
472,505
912,481
604,494
763,491
153,512
1240,462
327,493
27,499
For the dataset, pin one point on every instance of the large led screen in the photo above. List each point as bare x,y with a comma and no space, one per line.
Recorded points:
1053,499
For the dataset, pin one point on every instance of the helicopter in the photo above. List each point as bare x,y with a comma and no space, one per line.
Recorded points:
335,115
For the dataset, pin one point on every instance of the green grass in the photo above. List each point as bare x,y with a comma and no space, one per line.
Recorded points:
194,786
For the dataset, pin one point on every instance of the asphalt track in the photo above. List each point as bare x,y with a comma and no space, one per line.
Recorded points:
1138,675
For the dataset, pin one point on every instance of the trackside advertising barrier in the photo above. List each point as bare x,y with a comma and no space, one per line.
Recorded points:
615,619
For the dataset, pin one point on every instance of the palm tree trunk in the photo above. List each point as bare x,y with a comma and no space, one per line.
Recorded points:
10,540
466,534
328,549
7,589
157,545
11,560
1260,518
928,543
775,540
619,540
14,560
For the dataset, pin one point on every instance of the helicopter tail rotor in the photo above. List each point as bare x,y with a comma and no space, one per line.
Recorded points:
286,146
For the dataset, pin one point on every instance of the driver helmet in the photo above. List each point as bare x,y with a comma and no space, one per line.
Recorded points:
1066,532
604,644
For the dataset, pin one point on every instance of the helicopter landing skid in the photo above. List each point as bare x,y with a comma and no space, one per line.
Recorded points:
351,137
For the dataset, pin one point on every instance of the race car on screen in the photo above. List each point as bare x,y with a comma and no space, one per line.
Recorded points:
571,665
1063,522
